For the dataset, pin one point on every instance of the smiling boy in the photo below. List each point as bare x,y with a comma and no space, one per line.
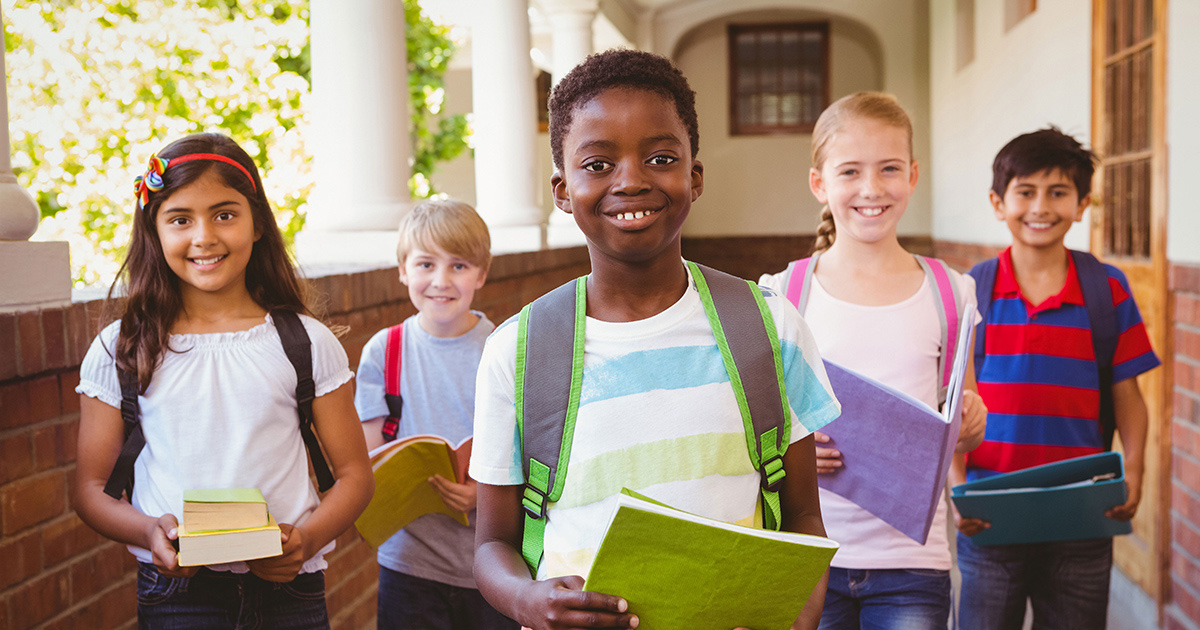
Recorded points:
1043,385
656,411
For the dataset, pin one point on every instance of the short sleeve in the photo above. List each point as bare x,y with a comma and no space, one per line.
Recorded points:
98,373
496,454
774,281
809,394
331,366
369,386
1134,354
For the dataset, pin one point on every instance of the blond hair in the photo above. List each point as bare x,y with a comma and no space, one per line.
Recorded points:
449,225
877,106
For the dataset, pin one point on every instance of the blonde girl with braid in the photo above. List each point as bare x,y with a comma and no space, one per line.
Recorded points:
872,309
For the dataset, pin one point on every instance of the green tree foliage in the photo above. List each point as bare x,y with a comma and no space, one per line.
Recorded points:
96,86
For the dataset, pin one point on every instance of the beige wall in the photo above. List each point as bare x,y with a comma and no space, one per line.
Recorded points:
1183,131
1036,74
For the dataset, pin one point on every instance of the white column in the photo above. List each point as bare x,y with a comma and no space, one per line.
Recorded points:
505,125
571,30
360,132
32,275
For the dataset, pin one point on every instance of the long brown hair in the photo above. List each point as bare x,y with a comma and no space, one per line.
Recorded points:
152,300
873,105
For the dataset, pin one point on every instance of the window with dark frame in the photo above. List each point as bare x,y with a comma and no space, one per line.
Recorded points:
778,77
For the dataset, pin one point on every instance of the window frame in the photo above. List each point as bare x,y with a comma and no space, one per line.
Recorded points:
804,127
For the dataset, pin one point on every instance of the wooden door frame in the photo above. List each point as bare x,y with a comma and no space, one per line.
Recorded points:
1160,266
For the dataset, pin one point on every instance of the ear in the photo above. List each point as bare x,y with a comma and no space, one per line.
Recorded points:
697,179
482,277
558,187
913,175
997,204
816,183
1083,206
403,274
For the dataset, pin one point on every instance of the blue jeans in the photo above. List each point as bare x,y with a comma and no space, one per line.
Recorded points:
1066,583
886,599
408,602
237,601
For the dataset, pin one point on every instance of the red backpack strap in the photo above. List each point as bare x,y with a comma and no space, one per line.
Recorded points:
393,357
799,281
945,294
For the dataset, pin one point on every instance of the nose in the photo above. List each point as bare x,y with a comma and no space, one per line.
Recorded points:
204,233
630,179
872,184
441,277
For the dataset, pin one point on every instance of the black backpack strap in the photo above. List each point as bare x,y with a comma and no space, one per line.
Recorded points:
299,351
1102,318
985,281
120,480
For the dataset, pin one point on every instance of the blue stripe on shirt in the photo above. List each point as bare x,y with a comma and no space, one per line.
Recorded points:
1040,369
1034,429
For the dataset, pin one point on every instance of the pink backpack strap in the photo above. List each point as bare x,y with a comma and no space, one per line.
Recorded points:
799,282
392,356
946,295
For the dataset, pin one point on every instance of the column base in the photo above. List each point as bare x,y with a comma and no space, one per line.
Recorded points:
373,249
517,238
563,232
34,275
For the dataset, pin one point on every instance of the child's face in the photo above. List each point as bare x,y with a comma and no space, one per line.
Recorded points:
207,234
628,176
867,178
441,286
1040,208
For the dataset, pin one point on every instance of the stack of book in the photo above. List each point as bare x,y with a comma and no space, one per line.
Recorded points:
226,525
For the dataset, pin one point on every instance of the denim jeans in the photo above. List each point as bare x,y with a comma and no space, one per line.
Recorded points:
886,599
212,600
1065,582
412,603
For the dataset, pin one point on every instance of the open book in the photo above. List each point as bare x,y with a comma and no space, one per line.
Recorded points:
678,570
402,469
896,450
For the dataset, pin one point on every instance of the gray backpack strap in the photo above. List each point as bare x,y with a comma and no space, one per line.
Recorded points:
749,345
547,400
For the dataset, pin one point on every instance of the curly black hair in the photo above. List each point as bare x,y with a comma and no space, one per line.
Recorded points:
619,68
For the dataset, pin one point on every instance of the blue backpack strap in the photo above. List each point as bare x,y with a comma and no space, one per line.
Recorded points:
298,348
984,274
1102,318
393,359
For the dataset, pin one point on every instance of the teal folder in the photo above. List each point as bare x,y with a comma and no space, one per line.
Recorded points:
1061,501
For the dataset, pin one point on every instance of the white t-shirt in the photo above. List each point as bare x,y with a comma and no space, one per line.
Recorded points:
860,337
657,415
220,412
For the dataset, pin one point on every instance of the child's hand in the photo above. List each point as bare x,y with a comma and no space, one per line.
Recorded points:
1129,509
559,603
828,459
974,423
968,526
458,496
285,567
164,530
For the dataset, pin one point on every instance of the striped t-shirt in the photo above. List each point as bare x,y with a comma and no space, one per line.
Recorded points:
657,415
1039,377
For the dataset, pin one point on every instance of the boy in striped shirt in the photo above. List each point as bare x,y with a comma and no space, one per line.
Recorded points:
1041,382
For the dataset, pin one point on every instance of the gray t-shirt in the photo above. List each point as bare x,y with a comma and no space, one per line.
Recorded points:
437,384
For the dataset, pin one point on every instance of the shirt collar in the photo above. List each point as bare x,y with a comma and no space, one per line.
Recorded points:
1006,284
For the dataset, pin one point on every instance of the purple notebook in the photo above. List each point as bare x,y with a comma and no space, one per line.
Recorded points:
896,450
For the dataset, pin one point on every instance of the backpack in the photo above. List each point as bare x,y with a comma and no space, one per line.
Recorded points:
549,381
945,297
299,352
393,355
1102,319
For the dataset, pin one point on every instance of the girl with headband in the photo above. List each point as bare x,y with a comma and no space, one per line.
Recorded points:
206,277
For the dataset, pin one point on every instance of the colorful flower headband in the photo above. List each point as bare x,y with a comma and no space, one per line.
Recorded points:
153,179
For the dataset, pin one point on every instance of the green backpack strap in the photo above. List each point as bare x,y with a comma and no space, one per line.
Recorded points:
749,347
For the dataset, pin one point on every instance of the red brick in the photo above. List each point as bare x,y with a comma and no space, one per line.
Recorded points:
67,382
1185,569
16,456
44,398
29,342
1185,503
40,599
67,537
79,333
1187,343
43,448
1188,602
14,405
33,500
22,558
8,347
1187,309
95,572
1185,470
54,338
1185,278
1185,437
66,439
118,607
1183,406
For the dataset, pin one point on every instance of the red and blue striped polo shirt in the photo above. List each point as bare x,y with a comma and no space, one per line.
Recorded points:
1039,377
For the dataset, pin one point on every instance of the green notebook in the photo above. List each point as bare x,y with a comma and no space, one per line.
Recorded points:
678,570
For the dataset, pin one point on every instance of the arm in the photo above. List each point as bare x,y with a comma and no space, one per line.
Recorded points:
801,506
504,580
974,420
1132,425
336,424
101,435
373,432
958,475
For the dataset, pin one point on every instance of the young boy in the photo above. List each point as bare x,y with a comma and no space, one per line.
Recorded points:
425,576
657,412
1040,380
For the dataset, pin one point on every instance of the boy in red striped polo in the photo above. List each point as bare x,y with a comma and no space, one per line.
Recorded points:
1041,382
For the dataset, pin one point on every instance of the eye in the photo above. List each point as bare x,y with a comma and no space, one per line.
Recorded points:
460,266
177,220
891,169
596,166
849,172
662,160
225,215
424,264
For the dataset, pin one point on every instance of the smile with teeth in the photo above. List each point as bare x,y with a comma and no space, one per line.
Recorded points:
873,211
1039,225
209,261
630,216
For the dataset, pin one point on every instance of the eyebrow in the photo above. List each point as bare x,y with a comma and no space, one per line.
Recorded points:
609,144
216,206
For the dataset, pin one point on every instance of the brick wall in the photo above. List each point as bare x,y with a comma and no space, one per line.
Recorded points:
55,572
1183,610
